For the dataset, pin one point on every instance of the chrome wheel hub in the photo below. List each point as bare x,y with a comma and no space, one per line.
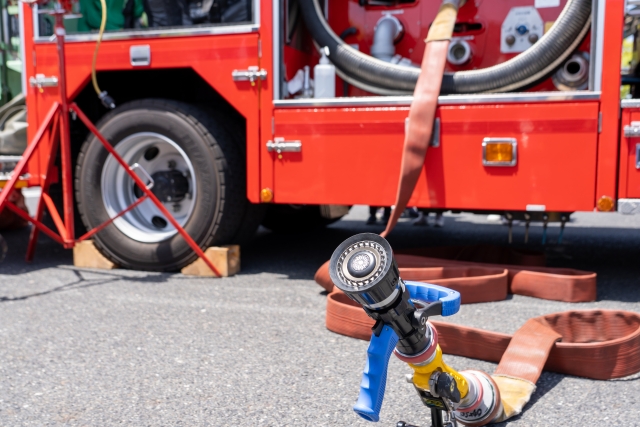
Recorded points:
172,172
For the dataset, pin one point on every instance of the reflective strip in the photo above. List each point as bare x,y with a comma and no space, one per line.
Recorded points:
390,298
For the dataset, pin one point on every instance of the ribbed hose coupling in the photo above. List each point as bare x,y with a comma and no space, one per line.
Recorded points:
483,403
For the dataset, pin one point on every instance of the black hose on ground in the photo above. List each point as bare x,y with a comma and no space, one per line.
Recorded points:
527,68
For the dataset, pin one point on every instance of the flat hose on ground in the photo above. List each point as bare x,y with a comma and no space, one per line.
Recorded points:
598,344
525,69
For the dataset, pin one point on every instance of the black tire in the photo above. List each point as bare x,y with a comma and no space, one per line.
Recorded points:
289,219
255,212
220,204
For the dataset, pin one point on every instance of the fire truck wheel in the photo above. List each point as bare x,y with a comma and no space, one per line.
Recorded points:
197,171
287,219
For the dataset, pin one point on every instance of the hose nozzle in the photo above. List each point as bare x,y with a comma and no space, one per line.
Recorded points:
363,267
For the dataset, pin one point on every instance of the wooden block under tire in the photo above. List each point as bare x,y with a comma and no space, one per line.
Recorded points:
86,255
225,258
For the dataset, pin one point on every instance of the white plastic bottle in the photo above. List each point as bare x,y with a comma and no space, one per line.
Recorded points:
324,76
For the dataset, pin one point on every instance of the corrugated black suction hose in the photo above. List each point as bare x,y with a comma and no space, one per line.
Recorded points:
527,68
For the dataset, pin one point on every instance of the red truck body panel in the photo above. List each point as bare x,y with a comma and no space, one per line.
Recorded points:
568,155
342,163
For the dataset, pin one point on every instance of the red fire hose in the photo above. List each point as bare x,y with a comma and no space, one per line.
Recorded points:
423,106
597,344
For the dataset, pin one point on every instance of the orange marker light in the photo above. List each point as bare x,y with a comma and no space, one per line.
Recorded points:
499,152
605,204
266,195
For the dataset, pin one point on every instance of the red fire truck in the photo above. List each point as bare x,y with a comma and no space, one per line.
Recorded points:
218,102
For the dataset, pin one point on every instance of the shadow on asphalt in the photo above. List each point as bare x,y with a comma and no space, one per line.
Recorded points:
611,252
79,283
547,382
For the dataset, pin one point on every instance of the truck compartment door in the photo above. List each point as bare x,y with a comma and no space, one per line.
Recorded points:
352,155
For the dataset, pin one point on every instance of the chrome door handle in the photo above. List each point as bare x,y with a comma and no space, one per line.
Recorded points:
632,130
279,145
140,55
40,81
251,74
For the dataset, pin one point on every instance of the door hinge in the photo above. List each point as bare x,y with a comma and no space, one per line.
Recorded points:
600,122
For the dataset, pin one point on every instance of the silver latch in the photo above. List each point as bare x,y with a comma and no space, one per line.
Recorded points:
40,81
251,74
140,55
279,145
632,130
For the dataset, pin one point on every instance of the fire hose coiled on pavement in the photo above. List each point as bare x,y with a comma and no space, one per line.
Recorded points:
597,344
527,68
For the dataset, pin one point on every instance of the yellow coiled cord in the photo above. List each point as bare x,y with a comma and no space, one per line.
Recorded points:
106,100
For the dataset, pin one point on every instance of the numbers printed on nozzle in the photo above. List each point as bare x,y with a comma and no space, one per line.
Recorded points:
476,413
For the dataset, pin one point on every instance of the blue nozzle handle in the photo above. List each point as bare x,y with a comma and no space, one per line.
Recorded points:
374,376
430,293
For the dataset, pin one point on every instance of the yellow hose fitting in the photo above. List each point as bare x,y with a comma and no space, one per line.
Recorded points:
442,27
422,373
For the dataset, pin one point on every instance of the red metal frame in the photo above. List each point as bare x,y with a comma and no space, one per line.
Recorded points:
56,124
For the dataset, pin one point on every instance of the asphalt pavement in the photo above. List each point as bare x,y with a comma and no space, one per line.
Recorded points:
84,347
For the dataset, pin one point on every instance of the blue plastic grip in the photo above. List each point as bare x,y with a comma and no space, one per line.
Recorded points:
374,376
430,293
